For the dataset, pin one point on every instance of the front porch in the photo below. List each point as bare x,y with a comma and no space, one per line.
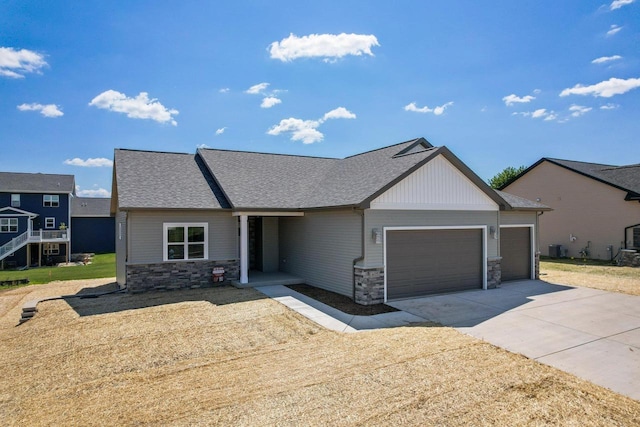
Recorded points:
260,278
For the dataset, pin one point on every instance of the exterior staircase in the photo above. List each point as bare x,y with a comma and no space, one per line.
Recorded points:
13,245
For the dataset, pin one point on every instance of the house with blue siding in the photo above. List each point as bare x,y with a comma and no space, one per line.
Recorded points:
93,225
35,218
401,221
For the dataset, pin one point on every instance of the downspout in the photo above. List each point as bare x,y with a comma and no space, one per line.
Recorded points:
361,257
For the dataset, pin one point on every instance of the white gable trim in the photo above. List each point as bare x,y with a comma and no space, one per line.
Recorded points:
438,185
10,211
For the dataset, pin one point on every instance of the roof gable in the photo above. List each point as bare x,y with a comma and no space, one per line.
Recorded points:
161,180
10,211
437,185
625,178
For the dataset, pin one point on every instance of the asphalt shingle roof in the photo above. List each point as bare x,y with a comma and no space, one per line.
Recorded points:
158,180
18,182
90,207
214,179
520,203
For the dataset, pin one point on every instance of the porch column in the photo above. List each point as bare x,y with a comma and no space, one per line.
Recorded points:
244,250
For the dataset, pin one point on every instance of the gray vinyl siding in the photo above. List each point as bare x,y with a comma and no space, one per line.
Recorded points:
121,247
379,219
518,217
320,247
146,228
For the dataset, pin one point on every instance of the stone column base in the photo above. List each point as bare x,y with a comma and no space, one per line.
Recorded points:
369,283
494,272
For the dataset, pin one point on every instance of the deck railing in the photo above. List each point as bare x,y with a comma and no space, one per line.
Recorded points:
13,245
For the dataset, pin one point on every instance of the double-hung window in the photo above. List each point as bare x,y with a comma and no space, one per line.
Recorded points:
15,200
185,241
50,200
49,223
8,225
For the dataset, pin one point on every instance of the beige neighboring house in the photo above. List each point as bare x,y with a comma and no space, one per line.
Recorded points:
596,209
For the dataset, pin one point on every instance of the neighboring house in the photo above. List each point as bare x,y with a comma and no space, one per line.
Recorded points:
405,220
93,225
34,218
595,207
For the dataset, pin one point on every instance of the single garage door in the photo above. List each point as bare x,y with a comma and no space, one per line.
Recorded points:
422,262
515,249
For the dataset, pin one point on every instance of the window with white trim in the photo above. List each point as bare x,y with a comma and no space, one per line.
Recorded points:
15,200
185,241
49,223
50,200
8,225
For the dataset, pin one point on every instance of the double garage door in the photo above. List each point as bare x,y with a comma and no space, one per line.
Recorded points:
422,262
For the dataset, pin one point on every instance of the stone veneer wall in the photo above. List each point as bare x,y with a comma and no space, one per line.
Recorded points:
629,258
177,275
494,272
369,283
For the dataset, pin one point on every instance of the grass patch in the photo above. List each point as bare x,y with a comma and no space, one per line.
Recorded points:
102,265
341,302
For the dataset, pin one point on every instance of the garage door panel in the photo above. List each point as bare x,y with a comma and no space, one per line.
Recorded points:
515,249
421,262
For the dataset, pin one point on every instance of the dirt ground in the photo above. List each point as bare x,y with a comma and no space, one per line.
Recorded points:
229,356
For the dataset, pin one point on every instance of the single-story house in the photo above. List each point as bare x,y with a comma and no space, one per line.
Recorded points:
405,220
595,207
93,225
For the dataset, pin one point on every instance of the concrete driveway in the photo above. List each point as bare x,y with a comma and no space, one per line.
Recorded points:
587,332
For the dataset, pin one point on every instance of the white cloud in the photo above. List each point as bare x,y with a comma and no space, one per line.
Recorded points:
202,146
339,113
140,107
301,130
270,101
609,106
327,46
90,162
98,192
16,63
617,4
436,110
536,91
613,30
578,110
220,131
257,89
605,89
49,110
604,59
540,113
224,90
307,130
513,99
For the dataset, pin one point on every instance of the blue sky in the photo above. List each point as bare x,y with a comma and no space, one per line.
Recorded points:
500,83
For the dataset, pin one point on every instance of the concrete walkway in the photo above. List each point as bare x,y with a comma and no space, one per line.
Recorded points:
590,333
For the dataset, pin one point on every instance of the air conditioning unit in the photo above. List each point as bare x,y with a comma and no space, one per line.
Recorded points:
555,251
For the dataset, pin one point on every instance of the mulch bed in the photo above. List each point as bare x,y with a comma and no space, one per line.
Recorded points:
341,302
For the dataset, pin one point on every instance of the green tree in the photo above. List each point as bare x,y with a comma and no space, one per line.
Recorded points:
505,177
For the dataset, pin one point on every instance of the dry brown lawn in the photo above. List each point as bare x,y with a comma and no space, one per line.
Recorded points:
226,356
611,278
